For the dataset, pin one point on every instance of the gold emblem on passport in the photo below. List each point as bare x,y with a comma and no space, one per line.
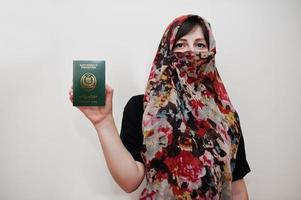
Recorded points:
88,81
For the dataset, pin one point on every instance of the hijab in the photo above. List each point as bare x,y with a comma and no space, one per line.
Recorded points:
190,128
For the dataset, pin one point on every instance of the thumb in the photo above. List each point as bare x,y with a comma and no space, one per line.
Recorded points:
109,94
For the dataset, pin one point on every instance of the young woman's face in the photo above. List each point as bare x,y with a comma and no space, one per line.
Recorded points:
192,41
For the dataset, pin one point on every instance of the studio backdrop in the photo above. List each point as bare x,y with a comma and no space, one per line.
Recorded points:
48,148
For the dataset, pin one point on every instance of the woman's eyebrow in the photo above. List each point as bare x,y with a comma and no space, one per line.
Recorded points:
185,40
200,39
182,40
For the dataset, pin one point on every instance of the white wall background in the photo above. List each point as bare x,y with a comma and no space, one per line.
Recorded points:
49,150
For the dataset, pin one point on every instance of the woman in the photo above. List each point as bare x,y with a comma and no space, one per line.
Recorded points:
183,133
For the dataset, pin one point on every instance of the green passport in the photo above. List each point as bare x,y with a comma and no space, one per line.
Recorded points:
88,83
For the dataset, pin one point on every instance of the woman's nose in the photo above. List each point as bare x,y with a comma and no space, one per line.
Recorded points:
191,47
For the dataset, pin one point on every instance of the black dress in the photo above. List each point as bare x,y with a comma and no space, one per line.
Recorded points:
132,137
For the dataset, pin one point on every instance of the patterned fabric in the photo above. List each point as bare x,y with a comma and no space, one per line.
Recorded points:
190,128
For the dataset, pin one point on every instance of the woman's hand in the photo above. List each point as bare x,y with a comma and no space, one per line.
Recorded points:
96,114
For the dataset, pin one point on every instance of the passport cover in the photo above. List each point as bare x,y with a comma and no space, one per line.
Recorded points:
88,82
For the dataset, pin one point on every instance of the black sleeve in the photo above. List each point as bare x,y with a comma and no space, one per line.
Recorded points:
131,131
241,165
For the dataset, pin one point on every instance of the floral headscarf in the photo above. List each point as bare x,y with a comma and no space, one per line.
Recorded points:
190,128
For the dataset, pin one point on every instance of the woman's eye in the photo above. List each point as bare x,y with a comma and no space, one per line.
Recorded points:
201,45
179,45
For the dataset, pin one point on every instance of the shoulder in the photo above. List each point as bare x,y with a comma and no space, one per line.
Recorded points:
135,104
136,99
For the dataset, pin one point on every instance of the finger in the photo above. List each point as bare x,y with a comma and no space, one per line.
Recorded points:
82,108
71,98
108,88
109,96
70,93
